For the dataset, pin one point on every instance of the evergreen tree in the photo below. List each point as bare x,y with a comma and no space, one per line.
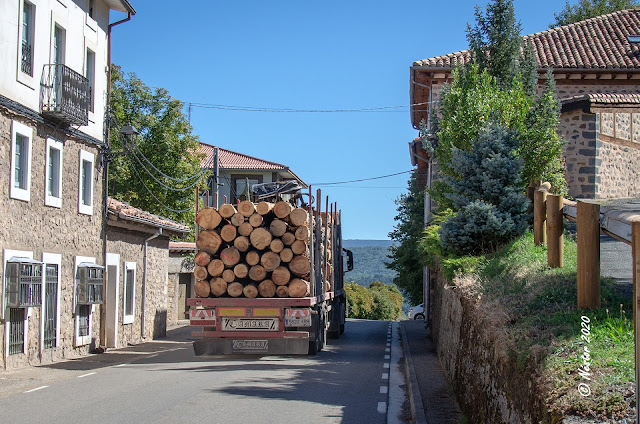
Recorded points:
586,9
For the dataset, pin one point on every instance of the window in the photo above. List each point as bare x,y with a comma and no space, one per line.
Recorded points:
129,292
59,45
90,74
85,188
50,309
16,331
21,141
90,9
26,47
239,185
82,312
53,193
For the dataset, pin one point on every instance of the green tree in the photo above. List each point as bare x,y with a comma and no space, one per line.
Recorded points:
359,301
405,253
387,301
586,9
165,145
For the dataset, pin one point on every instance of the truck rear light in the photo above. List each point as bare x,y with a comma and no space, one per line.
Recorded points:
232,312
266,312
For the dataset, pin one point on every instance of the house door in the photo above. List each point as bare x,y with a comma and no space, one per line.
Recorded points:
111,299
184,291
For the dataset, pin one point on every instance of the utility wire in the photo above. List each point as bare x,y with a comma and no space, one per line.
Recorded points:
362,179
292,110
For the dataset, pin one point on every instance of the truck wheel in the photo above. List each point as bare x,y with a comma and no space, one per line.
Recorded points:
341,328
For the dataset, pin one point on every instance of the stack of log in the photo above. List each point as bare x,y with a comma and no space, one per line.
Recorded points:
253,250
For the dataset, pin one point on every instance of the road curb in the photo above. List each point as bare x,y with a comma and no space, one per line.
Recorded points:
415,399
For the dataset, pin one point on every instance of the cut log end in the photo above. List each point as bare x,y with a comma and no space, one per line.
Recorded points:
235,289
299,288
218,286
227,210
215,268
208,218
202,288
267,289
246,208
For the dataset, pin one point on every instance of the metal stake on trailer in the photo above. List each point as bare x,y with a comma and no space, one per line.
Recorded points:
313,275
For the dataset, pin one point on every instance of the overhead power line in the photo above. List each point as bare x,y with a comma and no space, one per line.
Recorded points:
362,179
293,110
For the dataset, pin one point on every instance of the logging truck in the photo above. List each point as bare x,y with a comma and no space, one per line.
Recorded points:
269,277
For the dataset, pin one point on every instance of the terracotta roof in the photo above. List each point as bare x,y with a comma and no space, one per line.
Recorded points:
182,246
606,98
234,160
598,43
127,212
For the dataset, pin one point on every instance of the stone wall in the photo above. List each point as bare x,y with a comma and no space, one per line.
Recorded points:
33,227
579,131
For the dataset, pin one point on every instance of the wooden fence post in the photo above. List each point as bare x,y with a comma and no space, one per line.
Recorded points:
635,253
588,225
555,231
540,214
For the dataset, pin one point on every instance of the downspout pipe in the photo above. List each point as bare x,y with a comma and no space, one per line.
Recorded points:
144,282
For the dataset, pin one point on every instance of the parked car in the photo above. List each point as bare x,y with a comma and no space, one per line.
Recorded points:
417,312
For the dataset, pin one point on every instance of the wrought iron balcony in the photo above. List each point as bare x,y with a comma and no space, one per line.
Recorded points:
64,95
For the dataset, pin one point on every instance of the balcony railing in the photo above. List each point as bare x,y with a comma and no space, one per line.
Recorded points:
26,63
64,95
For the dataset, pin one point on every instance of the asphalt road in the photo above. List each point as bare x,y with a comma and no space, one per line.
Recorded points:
163,382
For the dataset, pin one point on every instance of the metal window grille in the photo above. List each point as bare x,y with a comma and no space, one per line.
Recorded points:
50,306
83,320
26,64
16,331
24,282
90,284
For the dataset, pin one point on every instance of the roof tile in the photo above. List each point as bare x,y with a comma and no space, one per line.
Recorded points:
234,160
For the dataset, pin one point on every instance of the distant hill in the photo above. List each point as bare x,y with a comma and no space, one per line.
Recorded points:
369,257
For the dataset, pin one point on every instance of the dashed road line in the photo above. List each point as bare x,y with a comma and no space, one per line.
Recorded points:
385,375
36,389
384,390
86,375
382,407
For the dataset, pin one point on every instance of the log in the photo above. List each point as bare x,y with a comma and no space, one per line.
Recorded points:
288,239
230,256
208,218
264,208
302,233
270,261
237,219
201,273
202,259
202,288
280,276
246,208
215,268
257,273
241,270
299,288
245,229
250,291
276,245
235,289
260,238
226,210
209,241
278,227
241,243
218,286
282,209
267,288
252,258
228,275
300,266
286,255
282,291
298,247
255,220
228,233
298,217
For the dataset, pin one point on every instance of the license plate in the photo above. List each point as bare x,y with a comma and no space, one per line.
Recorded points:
252,345
297,318
249,324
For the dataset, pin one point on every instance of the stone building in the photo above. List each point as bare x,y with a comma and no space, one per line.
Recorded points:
53,91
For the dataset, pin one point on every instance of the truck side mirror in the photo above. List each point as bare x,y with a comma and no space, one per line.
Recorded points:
349,259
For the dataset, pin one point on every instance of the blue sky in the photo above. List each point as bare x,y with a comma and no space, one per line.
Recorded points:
328,55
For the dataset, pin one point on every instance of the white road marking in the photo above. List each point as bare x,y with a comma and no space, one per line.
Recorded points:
382,407
37,388
86,375
152,356
388,349
385,375
387,356
120,365
389,344
385,365
384,389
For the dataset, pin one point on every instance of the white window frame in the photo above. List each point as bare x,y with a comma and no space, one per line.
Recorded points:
51,259
25,131
91,21
90,75
82,207
26,79
78,340
49,199
129,318
8,254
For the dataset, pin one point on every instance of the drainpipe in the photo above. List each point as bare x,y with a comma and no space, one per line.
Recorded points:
144,281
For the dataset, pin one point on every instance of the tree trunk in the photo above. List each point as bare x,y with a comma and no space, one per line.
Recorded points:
208,218
299,247
257,273
270,261
300,266
252,258
209,241
282,291
280,276
255,220
246,208
237,219
264,208
241,270
215,267
228,275
245,229
202,259
241,243
276,245
282,209
302,233
260,238
299,288
230,256
288,239
235,289
218,286
202,288
226,210
286,255
250,291
228,233
278,227
298,217
267,288
201,273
